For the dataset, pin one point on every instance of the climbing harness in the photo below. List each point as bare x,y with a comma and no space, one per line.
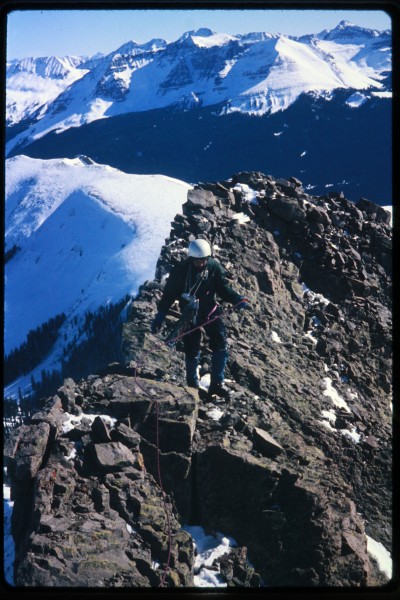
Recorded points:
190,310
182,327
192,289
189,317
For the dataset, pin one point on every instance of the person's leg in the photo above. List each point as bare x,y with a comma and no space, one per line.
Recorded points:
218,364
191,344
217,334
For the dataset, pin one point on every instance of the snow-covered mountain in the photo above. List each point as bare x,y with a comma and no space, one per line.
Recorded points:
83,234
256,74
33,83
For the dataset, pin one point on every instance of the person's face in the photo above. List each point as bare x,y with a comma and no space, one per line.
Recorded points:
199,263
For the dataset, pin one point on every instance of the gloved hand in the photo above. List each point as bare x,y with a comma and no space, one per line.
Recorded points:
244,304
157,322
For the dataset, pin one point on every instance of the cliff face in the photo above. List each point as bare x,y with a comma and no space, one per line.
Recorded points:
296,466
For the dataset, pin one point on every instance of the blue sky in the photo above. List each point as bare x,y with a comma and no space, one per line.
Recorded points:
78,32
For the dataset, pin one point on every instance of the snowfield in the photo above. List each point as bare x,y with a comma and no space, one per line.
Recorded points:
88,235
35,83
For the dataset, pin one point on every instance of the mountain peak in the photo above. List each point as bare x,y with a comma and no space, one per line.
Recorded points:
46,66
347,30
344,24
126,48
248,72
258,36
132,47
202,32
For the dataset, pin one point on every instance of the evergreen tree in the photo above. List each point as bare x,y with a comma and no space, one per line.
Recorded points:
31,353
102,345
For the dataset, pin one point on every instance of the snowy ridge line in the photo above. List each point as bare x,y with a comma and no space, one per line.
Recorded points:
96,241
266,74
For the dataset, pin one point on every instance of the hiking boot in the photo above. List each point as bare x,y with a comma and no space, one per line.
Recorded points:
203,394
219,389
192,363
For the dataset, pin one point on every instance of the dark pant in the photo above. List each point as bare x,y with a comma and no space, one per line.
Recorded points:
191,342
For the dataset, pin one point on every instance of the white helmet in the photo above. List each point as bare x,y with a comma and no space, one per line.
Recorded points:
199,249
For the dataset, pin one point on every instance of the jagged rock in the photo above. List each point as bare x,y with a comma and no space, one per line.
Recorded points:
287,209
109,457
68,395
256,180
11,443
236,571
29,452
297,468
53,414
198,198
317,214
374,211
296,181
107,531
100,430
143,350
126,435
266,442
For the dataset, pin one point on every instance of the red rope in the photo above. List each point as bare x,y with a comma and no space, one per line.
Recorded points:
206,322
164,502
159,478
169,527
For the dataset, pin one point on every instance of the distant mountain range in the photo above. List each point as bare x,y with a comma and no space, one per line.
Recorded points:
202,107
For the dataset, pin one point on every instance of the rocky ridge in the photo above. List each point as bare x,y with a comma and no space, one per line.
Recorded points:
296,466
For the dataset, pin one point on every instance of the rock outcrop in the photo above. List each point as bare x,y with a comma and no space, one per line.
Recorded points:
296,466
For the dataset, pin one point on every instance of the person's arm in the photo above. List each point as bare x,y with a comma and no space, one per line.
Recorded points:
172,289
170,294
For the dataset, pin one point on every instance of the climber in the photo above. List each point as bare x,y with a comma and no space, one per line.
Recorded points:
196,280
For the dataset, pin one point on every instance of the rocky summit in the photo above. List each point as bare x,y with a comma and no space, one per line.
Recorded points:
295,466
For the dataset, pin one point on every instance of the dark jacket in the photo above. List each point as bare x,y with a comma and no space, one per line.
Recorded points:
183,278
